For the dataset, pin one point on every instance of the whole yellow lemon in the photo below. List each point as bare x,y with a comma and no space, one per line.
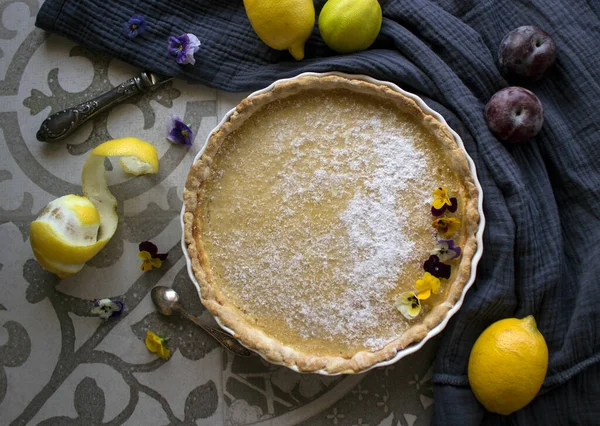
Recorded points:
348,26
508,364
282,24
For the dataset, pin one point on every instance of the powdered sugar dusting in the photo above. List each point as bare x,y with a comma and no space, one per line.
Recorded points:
328,218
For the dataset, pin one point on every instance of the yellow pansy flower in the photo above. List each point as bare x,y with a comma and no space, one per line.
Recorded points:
148,262
156,344
441,198
442,202
408,304
427,285
446,226
150,256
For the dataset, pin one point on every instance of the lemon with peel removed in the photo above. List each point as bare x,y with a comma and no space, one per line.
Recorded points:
348,26
73,229
282,24
508,364
65,234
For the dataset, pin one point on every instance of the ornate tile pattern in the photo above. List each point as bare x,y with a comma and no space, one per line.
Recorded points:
61,366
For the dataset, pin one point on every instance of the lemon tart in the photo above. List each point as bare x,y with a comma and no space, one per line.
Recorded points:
330,223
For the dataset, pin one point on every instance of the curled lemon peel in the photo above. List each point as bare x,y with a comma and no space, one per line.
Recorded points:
73,229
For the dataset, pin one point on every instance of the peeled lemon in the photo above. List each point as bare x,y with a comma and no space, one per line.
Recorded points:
73,229
508,364
282,24
348,26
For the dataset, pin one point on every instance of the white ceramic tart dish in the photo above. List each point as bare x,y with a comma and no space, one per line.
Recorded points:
332,223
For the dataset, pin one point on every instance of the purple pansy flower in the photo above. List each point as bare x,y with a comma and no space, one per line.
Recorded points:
106,308
135,26
437,268
152,250
183,48
446,250
442,202
451,208
178,132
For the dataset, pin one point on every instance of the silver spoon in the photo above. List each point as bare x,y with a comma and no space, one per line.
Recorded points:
61,124
167,301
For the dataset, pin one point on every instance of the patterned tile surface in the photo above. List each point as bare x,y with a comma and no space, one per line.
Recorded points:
59,365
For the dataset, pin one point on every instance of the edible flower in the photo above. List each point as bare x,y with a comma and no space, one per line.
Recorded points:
427,285
442,202
446,226
178,132
157,345
150,256
183,48
106,308
408,304
437,268
446,250
135,26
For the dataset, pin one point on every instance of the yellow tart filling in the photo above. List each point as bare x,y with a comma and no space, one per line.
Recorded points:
316,216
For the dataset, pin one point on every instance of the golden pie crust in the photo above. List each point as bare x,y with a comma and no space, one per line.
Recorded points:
280,209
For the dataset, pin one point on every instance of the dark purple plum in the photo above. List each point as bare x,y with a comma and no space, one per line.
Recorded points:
514,114
526,52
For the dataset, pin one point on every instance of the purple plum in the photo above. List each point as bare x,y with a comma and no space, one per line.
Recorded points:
526,52
514,114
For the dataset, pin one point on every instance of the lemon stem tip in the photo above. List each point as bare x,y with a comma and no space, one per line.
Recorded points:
530,322
297,51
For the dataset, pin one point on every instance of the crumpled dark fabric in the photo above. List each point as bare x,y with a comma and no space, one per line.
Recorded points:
541,199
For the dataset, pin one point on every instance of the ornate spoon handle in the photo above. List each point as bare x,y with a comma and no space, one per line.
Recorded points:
220,336
61,124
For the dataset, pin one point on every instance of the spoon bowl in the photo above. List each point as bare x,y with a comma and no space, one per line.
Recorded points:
166,300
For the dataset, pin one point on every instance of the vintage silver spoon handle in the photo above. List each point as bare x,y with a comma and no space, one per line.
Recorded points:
61,124
220,336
